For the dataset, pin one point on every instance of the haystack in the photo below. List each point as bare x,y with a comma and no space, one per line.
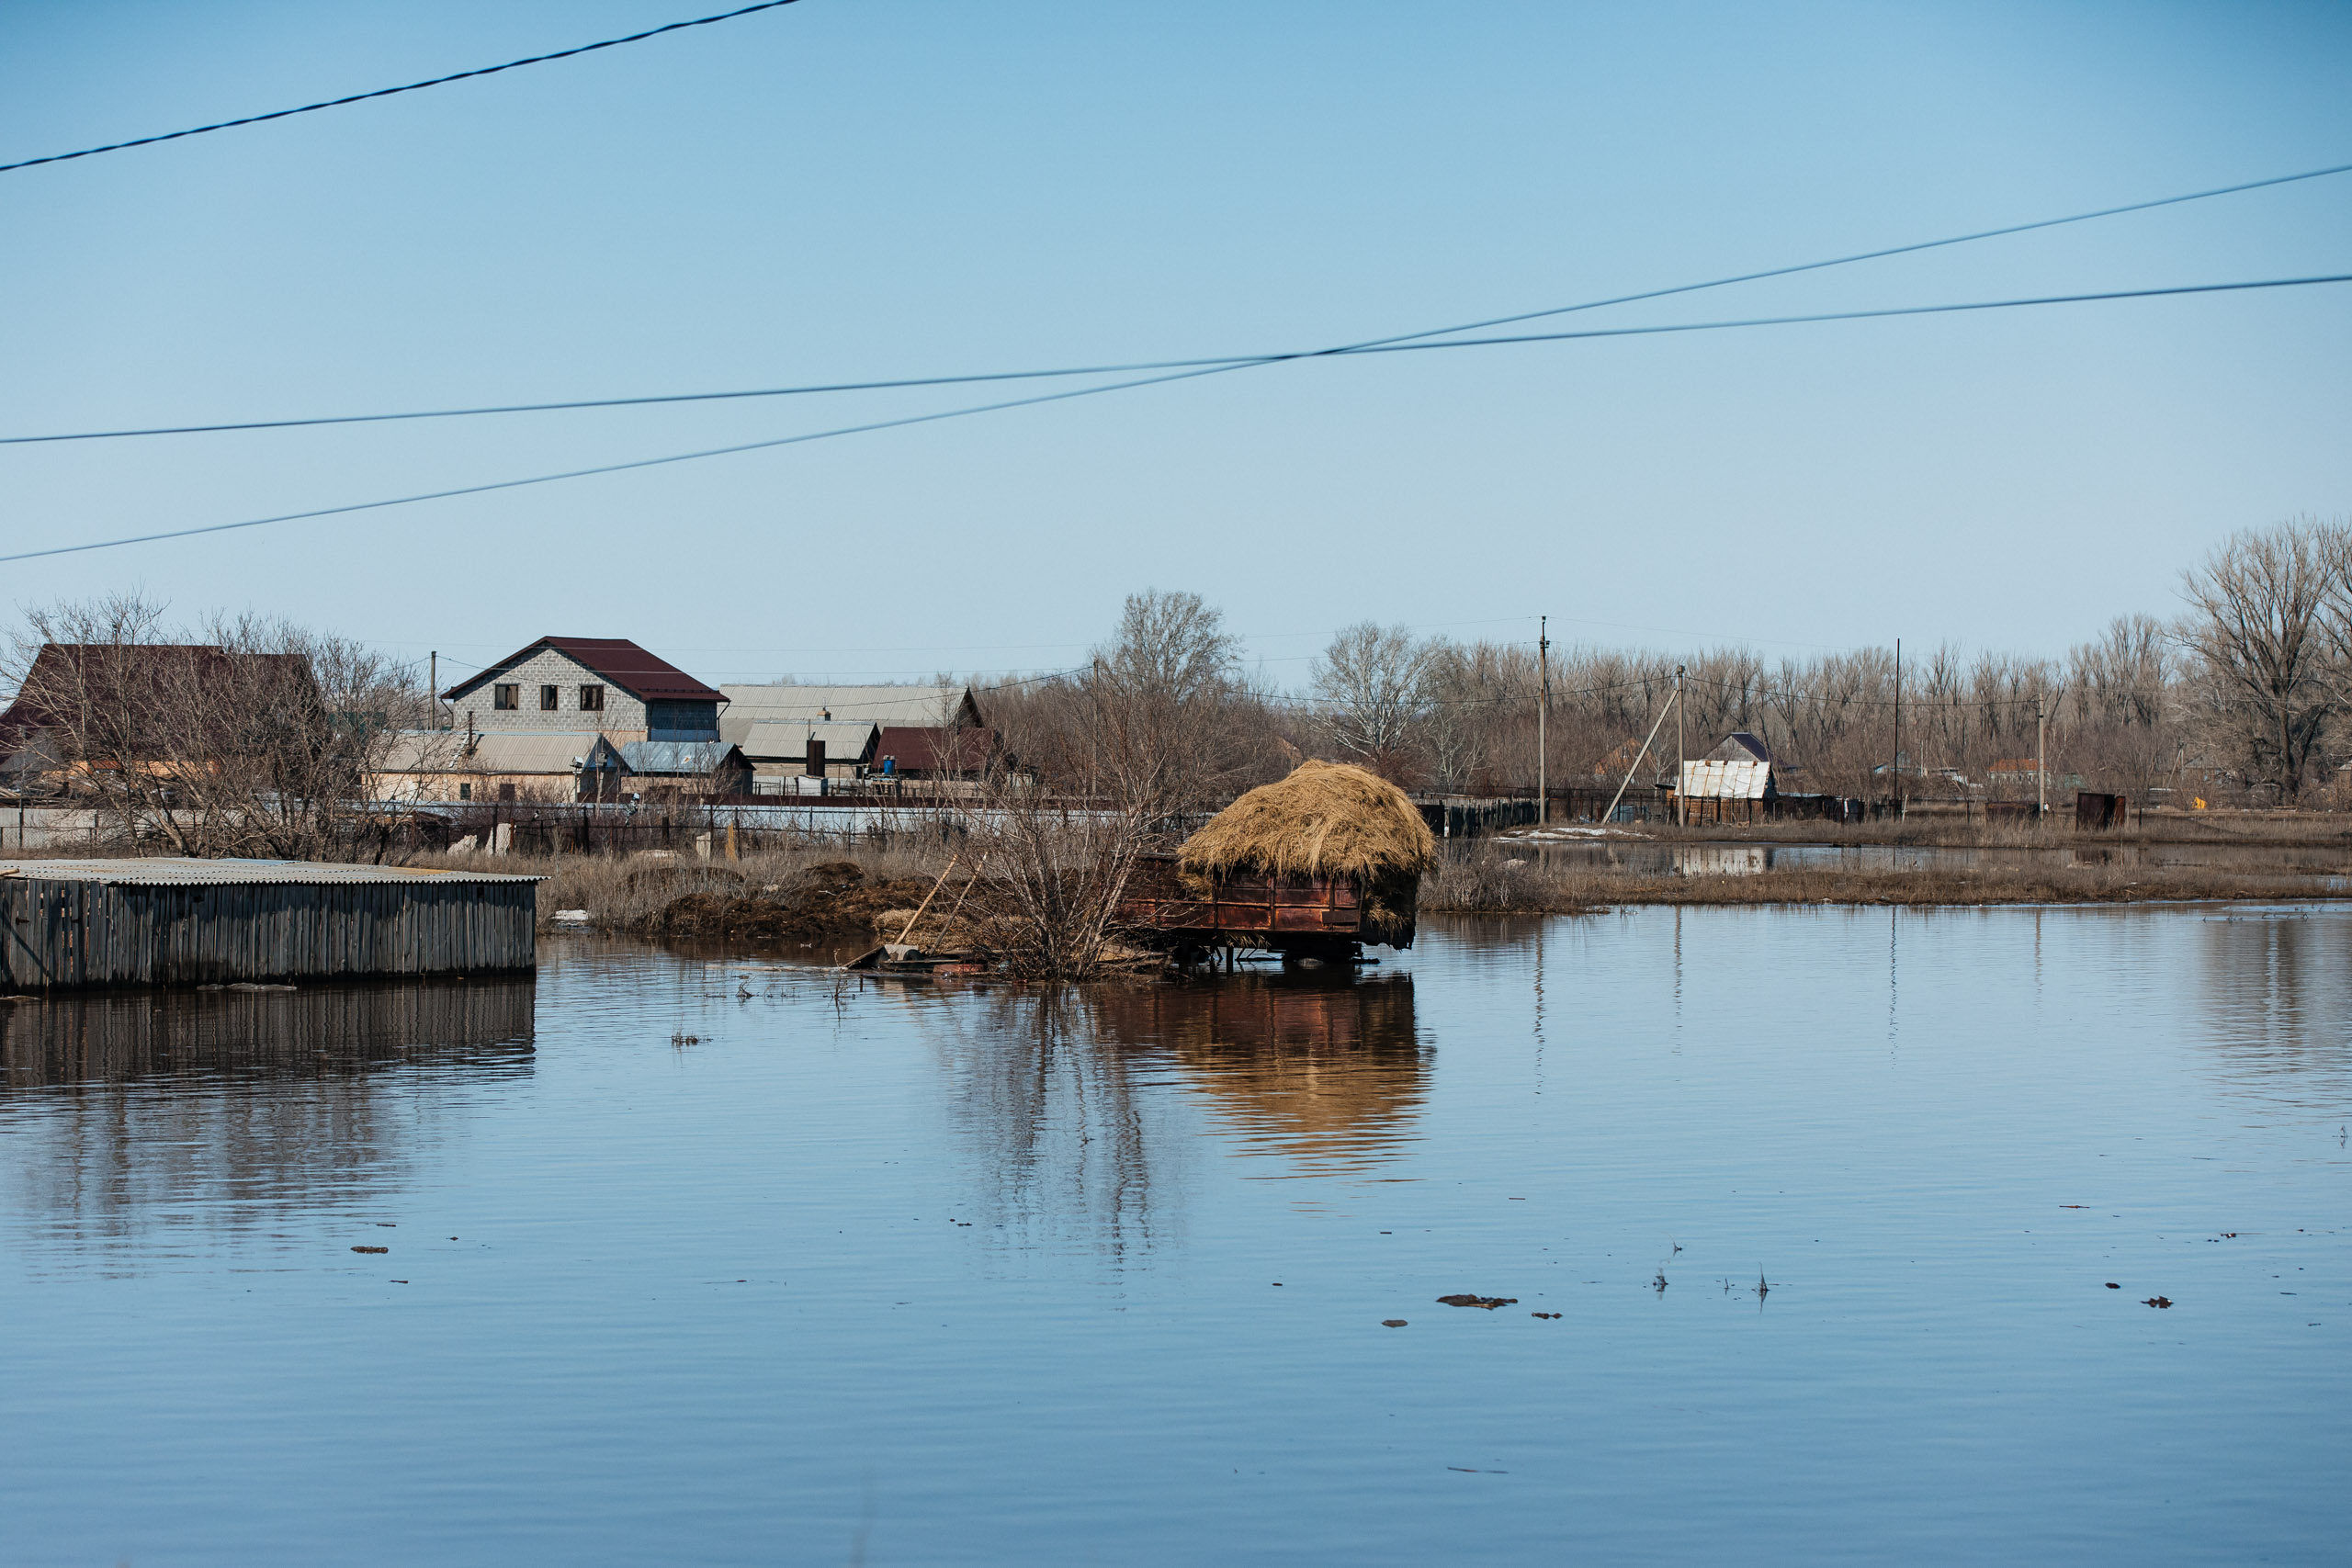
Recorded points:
1325,819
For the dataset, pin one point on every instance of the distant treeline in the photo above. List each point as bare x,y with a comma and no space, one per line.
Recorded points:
2245,697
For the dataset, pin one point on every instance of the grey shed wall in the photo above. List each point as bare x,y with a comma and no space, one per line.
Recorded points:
58,934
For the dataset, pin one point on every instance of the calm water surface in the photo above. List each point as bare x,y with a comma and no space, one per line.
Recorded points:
700,1261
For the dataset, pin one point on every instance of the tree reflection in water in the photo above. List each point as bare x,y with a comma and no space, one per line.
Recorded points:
1064,1091
234,1108
2276,989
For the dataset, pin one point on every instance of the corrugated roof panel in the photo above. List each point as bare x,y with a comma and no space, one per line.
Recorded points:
162,871
786,740
1717,780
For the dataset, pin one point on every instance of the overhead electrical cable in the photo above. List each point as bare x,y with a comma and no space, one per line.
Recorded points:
389,92
1137,366
1218,368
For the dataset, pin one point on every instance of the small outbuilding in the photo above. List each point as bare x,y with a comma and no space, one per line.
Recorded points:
67,924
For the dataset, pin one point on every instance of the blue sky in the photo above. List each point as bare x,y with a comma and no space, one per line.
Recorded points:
849,190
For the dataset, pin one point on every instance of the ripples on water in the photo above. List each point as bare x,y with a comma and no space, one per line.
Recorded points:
704,1259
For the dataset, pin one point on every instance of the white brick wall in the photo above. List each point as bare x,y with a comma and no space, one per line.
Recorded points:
623,718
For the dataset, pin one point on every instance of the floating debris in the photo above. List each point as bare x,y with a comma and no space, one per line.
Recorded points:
371,1249
2158,1302
1543,1315
2113,1286
1489,1303
1392,1322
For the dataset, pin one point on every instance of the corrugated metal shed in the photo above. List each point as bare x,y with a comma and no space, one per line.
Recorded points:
786,740
1715,780
72,924
173,870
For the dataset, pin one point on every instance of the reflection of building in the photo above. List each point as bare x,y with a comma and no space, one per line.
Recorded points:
80,1038
1317,1065
243,1110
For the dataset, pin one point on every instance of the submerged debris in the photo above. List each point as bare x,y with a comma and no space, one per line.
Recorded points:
1392,1322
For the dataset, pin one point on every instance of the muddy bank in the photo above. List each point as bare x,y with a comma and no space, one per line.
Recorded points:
835,901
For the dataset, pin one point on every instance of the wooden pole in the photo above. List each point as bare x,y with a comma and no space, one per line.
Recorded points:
1681,753
1543,702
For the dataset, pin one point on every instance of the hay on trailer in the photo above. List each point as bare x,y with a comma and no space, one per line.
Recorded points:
1325,819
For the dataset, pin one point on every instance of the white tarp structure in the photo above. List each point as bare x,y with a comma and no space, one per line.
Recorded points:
1725,781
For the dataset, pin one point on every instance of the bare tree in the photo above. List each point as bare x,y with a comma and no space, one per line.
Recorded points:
250,737
2263,675
1373,683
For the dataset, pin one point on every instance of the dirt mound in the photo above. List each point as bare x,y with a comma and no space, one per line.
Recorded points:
819,907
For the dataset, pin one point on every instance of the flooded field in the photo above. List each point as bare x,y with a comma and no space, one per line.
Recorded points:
698,1259
2329,867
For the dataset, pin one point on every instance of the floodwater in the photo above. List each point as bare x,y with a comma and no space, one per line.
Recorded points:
707,1262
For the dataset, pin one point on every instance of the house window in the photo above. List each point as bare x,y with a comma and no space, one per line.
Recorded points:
592,699
551,698
465,792
506,695
506,792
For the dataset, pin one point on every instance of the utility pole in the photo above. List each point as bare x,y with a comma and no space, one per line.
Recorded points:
1542,704
1681,796
2041,759
432,694
1898,726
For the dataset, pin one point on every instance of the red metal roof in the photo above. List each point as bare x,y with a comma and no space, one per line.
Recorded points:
934,749
618,661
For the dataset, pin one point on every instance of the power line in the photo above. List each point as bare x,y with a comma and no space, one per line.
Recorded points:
1224,361
872,425
389,92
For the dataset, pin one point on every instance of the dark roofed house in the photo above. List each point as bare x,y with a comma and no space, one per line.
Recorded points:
581,684
153,706
933,751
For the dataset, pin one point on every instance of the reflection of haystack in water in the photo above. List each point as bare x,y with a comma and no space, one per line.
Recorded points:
1327,819
1327,1070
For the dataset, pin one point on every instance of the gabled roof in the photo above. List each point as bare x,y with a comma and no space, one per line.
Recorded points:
103,671
620,661
747,706
1739,746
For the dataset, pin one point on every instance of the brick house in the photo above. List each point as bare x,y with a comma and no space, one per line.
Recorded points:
586,685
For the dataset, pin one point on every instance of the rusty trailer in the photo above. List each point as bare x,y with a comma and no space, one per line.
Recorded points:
1299,916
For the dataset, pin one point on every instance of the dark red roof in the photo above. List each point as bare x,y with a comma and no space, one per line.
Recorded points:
618,661
100,671
930,748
